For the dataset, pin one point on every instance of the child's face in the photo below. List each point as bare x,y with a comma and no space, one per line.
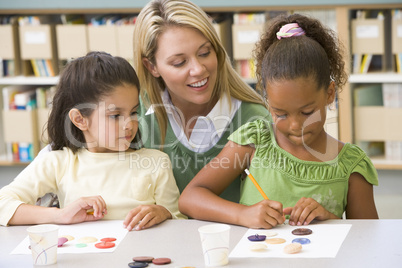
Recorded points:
113,124
188,64
298,109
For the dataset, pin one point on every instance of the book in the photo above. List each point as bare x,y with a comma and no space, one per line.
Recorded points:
392,95
35,67
49,67
25,152
357,61
15,152
10,67
2,72
368,95
398,62
393,150
366,61
72,19
41,67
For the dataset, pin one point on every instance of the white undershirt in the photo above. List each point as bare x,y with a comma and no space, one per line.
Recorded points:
208,129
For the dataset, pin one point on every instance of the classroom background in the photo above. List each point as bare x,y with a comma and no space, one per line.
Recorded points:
38,39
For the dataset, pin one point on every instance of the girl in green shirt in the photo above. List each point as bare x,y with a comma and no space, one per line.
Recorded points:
306,173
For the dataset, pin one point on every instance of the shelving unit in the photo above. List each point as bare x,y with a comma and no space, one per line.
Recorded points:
29,80
342,9
380,162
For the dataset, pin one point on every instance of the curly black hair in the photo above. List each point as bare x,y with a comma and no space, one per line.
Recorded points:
318,54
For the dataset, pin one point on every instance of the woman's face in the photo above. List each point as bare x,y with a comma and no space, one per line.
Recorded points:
188,64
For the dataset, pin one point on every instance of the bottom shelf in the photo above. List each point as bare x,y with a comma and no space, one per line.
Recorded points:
5,162
383,163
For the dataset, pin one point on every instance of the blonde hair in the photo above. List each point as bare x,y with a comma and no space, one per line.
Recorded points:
153,20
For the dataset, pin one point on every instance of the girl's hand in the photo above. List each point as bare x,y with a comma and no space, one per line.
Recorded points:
78,210
265,214
145,216
306,210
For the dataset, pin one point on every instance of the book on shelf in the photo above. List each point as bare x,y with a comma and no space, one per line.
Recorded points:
23,98
246,68
9,103
248,18
372,148
44,96
67,19
112,20
398,62
392,95
361,63
365,63
35,67
42,67
7,68
397,38
368,95
393,150
357,61
34,20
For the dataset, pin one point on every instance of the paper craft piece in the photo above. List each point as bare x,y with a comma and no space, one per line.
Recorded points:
292,248
325,242
98,229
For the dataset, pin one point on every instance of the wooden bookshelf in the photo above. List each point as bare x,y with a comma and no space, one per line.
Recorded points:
342,9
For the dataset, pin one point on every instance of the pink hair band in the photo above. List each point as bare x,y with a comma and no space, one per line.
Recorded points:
289,30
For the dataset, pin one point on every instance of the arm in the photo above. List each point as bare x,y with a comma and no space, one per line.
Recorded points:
74,213
18,198
361,203
200,199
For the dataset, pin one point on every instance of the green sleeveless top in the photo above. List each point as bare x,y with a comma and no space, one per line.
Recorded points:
186,163
286,179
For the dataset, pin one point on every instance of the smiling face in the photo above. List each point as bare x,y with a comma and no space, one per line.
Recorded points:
187,62
113,123
298,109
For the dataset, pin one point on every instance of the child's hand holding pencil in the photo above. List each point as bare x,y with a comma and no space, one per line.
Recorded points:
259,187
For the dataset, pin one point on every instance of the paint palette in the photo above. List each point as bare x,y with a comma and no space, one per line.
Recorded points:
82,237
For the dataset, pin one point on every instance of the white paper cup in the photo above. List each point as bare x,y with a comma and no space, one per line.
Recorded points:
43,239
215,244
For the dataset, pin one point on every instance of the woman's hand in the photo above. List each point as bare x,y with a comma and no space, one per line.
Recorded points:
145,216
265,214
306,210
78,210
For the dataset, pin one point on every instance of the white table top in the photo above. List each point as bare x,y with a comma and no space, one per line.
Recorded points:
370,243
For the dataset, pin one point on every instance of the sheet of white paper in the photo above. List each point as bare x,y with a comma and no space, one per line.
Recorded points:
326,240
97,229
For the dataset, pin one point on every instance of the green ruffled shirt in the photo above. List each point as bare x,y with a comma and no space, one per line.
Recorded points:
286,179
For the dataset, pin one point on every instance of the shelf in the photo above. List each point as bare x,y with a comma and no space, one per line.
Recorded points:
376,78
382,163
29,80
55,6
10,163
5,162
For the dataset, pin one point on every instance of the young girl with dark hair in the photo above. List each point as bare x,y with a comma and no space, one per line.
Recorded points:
93,167
305,173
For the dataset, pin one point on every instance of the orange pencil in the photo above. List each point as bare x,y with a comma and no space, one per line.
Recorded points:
256,184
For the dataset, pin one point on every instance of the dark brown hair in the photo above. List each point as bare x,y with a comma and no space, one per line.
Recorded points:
317,54
83,83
